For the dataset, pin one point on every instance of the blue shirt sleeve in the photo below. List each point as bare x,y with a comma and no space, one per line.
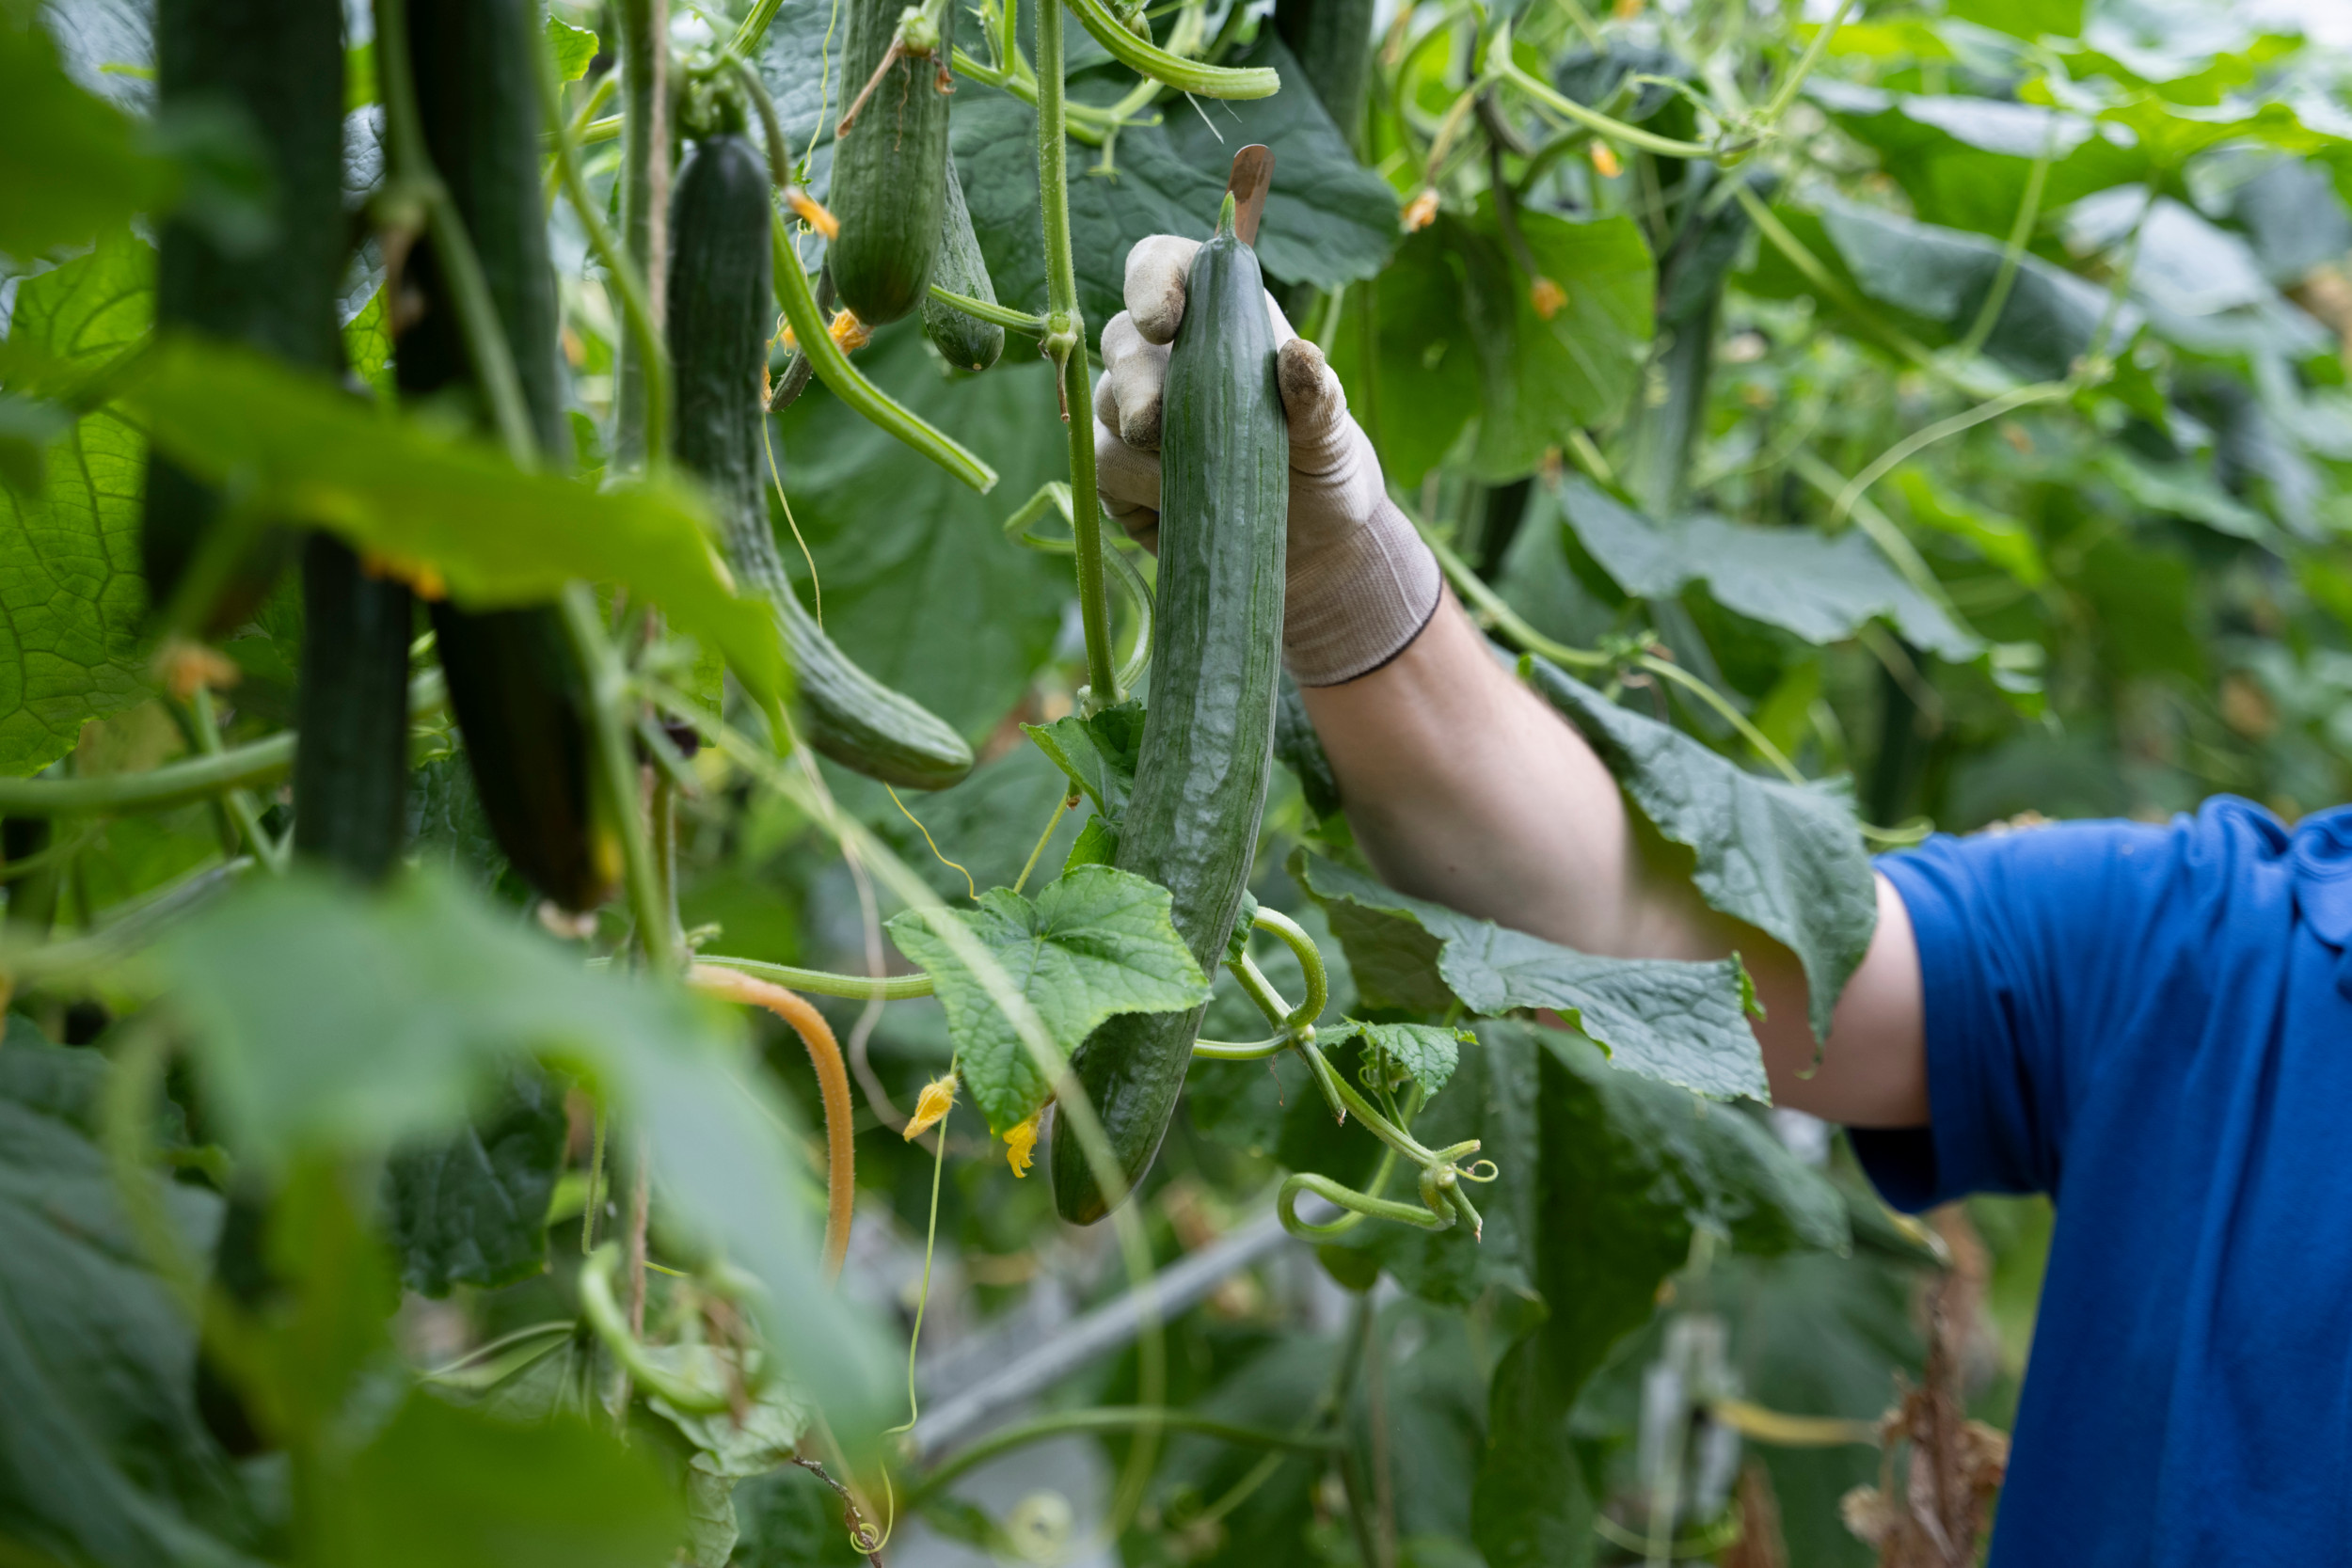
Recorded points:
2037,950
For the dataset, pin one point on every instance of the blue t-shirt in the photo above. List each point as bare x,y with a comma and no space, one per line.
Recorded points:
2154,1025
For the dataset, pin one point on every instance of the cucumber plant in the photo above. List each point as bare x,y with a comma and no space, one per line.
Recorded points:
1784,410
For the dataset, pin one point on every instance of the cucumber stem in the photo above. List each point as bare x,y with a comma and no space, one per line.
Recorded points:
1066,340
610,695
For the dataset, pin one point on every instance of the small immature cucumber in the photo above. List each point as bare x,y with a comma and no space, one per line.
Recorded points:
965,341
889,167
521,697
1217,667
721,300
277,66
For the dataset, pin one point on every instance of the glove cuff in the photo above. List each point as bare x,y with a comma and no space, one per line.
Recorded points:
1353,603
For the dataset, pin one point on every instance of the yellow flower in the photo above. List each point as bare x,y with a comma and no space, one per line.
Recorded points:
1021,1144
1421,211
813,212
939,1097
1546,297
849,332
1605,161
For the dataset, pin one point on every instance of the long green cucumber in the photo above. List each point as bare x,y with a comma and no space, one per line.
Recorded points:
722,297
351,758
1217,666
276,67
889,166
965,341
519,695
1332,40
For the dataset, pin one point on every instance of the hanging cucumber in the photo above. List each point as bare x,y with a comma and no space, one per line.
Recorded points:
277,67
1217,667
721,300
890,157
965,341
351,724
521,697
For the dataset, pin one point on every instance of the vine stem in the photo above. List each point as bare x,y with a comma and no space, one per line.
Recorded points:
1066,340
1114,1418
615,777
832,1084
1812,57
2012,253
1502,66
640,419
821,982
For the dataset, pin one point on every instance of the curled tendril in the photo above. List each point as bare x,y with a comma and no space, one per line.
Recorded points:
1360,1207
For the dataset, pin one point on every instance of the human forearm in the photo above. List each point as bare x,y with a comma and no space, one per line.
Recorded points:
1465,788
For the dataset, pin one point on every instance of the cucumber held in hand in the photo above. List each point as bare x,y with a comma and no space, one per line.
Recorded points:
1216,668
890,158
721,303
965,341
277,66
515,684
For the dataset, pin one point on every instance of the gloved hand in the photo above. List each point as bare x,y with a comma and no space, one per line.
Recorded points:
1362,584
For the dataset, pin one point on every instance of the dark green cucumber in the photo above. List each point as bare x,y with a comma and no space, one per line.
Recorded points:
518,692
965,341
721,300
1332,40
1217,667
351,724
889,168
275,68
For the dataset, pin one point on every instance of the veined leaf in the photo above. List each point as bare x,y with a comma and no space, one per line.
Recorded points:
472,1209
1097,751
1824,590
1427,1053
1683,1024
1096,942
73,638
571,48
496,535
1786,858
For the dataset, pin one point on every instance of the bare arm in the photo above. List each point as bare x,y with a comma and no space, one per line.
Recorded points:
1464,786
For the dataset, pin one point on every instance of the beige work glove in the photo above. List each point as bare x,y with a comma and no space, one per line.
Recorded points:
1361,583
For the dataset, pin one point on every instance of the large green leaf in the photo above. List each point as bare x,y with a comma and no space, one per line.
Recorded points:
1824,590
472,1209
920,587
71,640
1681,1023
329,1020
445,1487
1097,752
1412,383
103,1457
1786,858
1327,219
72,164
494,535
1096,942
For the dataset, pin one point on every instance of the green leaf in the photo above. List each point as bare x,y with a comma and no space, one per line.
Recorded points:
1681,1023
1098,753
1786,858
71,162
368,346
1412,383
918,586
571,48
769,1434
1427,1053
788,1519
331,1020
1327,219
496,535
1097,843
1824,590
2185,489
103,1458
72,638
472,1209
455,1488
2001,540
1096,942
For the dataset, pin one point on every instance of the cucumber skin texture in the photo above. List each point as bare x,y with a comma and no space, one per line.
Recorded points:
280,63
350,723
521,697
1332,40
1216,668
965,341
721,306
889,172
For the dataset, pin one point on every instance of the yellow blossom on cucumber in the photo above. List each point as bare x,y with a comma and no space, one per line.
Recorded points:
1421,210
1021,1144
1546,297
938,1098
850,333
813,212
1605,162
